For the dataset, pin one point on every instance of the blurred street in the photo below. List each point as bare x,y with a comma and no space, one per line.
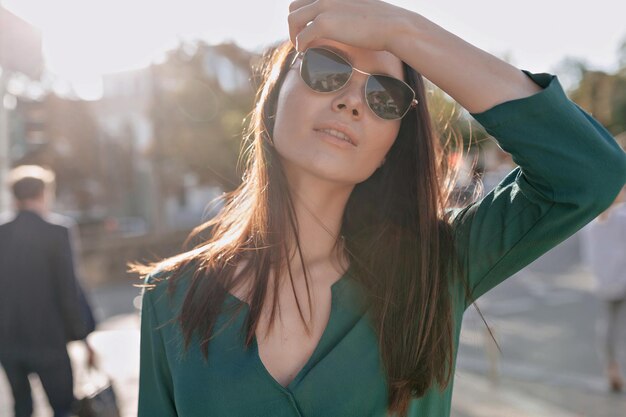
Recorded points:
549,366
544,319
545,323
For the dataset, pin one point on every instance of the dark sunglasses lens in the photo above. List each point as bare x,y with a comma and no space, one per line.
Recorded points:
324,71
388,97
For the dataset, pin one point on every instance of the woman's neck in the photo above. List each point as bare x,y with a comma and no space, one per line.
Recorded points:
319,207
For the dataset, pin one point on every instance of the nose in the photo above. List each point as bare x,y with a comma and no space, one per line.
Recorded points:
351,97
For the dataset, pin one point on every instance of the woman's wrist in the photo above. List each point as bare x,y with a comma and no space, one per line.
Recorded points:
476,79
410,30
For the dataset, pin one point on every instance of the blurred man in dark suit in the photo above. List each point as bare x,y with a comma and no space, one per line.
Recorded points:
42,306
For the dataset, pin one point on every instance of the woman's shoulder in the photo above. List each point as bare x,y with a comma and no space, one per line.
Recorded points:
177,267
164,291
169,279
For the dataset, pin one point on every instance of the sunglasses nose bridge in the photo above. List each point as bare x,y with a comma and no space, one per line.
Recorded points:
360,71
363,75
358,80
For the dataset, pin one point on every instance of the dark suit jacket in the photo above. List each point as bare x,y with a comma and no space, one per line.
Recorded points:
42,306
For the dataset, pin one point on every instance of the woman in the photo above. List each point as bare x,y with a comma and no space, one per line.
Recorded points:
334,279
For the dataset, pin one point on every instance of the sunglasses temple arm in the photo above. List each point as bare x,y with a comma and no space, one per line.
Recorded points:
295,58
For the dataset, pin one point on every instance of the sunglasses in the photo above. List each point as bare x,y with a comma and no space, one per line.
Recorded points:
325,71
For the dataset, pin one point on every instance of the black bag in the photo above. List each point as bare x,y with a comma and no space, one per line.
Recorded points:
101,404
100,401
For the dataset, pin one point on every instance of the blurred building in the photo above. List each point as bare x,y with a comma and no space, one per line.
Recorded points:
118,159
59,133
20,45
29,129
123,119
131,118
20,57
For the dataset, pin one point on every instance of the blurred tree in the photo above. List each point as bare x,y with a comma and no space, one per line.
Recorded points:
604,96
601,94
201,96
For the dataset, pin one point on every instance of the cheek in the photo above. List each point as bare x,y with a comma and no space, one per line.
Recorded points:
292,110
380,140
381,135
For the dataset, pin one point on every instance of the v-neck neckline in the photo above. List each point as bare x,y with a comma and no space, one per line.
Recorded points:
334,290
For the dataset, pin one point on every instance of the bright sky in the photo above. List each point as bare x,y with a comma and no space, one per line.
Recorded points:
84,39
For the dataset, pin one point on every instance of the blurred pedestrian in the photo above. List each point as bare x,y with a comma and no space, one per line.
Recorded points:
603,249
42,306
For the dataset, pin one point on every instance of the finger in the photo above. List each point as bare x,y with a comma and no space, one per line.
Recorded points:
315,30
299,18
295,5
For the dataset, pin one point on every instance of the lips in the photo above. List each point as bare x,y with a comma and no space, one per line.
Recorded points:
340,131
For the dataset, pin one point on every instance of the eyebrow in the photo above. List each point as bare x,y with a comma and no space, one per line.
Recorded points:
339,52
350,58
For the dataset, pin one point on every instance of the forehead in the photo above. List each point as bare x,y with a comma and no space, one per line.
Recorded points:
368,60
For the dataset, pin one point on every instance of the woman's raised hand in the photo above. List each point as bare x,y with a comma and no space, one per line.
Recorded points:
474,78
368,24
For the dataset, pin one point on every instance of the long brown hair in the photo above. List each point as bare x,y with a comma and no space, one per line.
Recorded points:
397,237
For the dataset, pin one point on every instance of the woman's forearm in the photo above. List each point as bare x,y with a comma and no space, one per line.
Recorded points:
474,78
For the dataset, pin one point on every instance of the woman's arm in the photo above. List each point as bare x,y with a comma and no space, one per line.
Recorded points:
156,397
570,170
474,78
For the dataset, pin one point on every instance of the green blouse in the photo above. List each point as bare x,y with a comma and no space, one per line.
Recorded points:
570,169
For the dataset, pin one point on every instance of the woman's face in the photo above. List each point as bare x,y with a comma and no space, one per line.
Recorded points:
302,113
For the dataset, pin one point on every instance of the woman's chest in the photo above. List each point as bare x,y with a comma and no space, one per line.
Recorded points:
286,344
340,373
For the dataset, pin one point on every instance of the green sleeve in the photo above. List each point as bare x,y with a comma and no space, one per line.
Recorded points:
570,170
156,394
